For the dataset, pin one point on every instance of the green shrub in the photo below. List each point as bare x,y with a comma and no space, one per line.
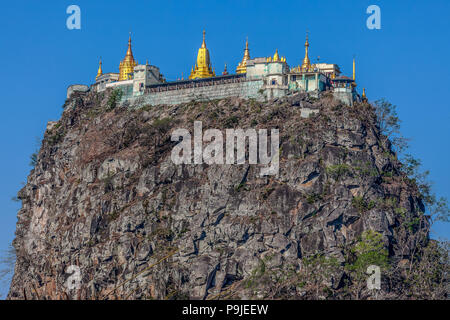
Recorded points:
231,122
338,171
256,275
114,98
162,125
366,170
108,183
58,133
267,191
362,205
369,250
114,215
314,197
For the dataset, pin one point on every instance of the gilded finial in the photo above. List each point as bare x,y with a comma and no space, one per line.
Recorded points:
99,71
306,65
204,43
354,69
246,51
129,53
364,94
354,72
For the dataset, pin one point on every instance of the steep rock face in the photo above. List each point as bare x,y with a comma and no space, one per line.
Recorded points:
106,197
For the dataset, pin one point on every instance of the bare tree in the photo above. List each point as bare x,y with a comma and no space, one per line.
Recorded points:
389,124
7,263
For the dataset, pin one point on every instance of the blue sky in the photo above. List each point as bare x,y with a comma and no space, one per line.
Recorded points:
406,62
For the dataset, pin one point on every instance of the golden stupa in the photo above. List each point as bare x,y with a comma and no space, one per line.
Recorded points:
242,66
202,68
306,65
276,58
99,71
127,65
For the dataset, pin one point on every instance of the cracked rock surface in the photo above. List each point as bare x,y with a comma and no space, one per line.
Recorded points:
106,197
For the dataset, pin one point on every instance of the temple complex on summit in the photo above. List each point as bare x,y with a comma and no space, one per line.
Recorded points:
258,78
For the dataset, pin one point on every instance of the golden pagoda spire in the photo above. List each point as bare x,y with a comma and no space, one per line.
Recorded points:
354,74
242,66
204,43
354,69
306,62
203,67
276,57
127,65
100,71
129,52
364,97
246,51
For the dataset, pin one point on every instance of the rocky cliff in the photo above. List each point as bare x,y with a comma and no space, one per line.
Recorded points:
105,197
